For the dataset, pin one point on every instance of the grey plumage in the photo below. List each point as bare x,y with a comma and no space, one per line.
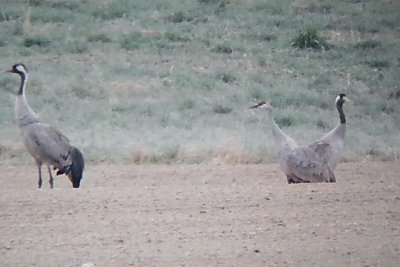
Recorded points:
302,165
308,164
46,144
330,147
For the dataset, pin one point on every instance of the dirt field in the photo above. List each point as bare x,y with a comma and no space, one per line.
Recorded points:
201,215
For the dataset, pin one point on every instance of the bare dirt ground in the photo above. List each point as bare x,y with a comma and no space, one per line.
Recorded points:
201,215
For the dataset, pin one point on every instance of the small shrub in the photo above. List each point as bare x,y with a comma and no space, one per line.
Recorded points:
221,4
386,107
66,5
258,94
170,154
39,41
226,78
395,94
188,104
267,37
133,41
377,154
222,49
262,61
264,37
218,2
7,15
110,12
273,7
321,8
76,47
137,40
310,38
324,105
322,124
219,109
368,44
179,17
379,64
101,37
285,121
176,37
206,41
36,2
80,91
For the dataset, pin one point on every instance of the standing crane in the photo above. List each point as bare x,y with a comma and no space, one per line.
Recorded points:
46,144
330,147
308,164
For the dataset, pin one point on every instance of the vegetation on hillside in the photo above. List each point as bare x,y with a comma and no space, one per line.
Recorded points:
171,81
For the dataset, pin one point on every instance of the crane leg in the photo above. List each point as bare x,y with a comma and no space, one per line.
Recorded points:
51,181
40,175
293,179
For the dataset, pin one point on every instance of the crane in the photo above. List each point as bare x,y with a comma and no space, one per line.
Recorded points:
307,164
330,147
46,144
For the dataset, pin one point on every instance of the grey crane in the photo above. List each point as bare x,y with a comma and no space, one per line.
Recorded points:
46,144
330,147
301,164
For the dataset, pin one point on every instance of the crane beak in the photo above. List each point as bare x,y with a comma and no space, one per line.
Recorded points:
6,71
346,99
256,106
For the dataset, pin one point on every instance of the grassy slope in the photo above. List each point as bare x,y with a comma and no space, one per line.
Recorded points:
170,81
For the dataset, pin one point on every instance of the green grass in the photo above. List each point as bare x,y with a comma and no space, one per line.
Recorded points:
310,38
156,81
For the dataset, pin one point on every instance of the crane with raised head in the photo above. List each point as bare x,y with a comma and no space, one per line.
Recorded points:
330,147
302,164
46,144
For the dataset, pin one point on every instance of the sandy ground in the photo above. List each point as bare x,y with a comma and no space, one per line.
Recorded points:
201,215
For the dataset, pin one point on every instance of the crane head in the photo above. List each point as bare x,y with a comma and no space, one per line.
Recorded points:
76,171
341,98
262,105
18,69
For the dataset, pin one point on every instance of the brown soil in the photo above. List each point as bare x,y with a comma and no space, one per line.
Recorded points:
201,215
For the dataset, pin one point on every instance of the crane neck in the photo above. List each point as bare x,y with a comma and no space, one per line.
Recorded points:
25,115
280,136
22,86
339,107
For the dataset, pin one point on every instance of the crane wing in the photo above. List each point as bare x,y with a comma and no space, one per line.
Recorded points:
328,152
323,150
303,164
330,147
47,145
